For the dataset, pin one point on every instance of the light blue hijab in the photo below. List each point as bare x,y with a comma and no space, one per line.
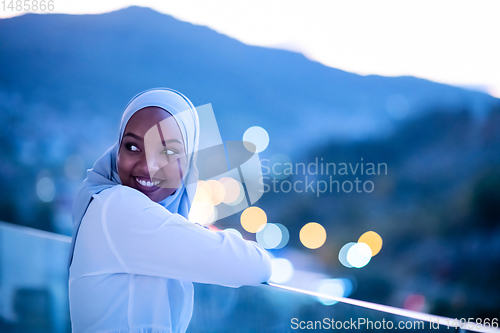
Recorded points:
104,174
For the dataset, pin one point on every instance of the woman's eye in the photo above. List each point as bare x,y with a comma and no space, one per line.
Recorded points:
132,147
169,152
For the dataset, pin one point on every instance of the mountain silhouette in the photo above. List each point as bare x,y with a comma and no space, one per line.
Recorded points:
91,65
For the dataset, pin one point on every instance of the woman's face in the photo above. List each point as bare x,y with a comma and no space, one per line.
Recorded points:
151,158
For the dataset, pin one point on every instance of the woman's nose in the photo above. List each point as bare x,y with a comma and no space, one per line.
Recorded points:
152,165
146,166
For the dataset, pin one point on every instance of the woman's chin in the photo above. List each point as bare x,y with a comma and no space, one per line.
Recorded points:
160,194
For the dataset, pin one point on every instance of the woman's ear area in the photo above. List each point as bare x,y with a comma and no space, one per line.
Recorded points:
118,158
118,162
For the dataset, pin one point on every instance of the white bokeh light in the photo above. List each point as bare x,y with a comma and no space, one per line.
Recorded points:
234,192
282,270
258,136
330,287
46,189
285,236
269,237
359,255
203,213
343,254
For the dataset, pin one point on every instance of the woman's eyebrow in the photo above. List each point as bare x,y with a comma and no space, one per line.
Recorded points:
133,135
163,141
171,140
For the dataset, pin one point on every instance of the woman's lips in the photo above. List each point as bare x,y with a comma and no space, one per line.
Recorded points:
147,185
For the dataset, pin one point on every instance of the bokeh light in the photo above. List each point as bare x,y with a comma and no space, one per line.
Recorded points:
282,270
203,192
258,136
202,209
233,191
359,255
348,287
253,219
234,231
415,303
46,189
203,213
330,287
343,254
373,240
269,237
312,235
218,191
285,236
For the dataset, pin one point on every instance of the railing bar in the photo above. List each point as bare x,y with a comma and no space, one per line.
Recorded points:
35,232
389,309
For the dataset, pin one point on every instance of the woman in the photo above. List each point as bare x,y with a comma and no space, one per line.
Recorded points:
134,254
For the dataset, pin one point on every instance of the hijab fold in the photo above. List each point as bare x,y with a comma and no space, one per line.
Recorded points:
104,173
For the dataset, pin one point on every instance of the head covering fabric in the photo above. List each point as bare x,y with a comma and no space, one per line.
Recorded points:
104,173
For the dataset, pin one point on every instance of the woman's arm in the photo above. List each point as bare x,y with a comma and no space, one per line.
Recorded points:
148,239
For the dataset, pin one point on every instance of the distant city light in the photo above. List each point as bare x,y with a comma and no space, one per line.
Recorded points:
203,192
218,191
373,240
253,219
359,255
258,136
269,237
202,209
46,189
282,270
330,287
343,254
233,191
415,303
285,236
312,235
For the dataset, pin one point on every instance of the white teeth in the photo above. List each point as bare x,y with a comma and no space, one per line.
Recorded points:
147,183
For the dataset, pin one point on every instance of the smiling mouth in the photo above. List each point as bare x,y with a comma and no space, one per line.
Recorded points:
147,183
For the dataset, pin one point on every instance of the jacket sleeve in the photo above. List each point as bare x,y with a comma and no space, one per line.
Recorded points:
148,239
